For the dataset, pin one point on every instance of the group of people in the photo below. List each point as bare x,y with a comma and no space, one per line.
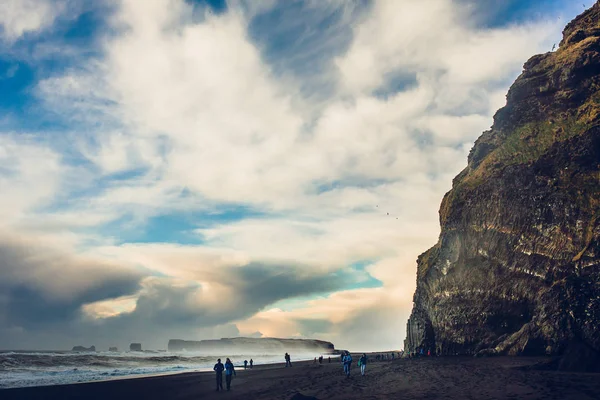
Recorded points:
390,356
321,360
346,359
421,352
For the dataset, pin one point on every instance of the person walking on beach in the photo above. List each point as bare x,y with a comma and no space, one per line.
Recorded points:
229,373
251,363
219,370
245,364
288,360
347,364
362,363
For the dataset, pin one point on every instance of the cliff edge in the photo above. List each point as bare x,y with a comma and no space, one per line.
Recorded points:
263,345
516,270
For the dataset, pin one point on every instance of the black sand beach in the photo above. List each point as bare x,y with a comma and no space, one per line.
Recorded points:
428,378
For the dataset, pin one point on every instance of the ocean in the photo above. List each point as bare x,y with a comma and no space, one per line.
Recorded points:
42,368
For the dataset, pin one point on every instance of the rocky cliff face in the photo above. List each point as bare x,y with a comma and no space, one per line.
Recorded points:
516,269
242,344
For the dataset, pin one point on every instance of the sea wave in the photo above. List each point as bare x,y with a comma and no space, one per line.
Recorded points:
20,369
15,360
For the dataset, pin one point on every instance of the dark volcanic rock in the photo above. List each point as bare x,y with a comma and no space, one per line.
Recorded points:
265,345
113,349
516,270
82,348
135,347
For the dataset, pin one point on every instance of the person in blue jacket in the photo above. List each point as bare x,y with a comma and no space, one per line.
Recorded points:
347,361
219,370
229,373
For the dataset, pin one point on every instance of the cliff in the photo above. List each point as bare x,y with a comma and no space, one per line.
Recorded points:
516,269
242,344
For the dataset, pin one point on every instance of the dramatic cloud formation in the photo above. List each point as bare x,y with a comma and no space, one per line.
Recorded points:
259,168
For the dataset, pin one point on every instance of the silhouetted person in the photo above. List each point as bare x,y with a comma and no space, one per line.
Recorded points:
315,361
329,359
229,373
251,363
245,364
320,359
288,360
219,370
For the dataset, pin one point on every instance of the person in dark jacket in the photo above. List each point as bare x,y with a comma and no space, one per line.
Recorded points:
362,363
251,363
229,373
219,370
245,364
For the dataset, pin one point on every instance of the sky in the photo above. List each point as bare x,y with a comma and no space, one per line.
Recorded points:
210,168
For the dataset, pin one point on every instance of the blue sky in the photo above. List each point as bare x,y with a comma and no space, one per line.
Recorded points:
190,155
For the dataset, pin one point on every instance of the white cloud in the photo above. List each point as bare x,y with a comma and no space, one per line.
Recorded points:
18,17
193,107
30,174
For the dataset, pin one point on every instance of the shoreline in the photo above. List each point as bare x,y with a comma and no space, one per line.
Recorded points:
206,370
424,378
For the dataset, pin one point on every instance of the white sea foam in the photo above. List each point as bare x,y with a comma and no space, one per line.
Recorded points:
21,369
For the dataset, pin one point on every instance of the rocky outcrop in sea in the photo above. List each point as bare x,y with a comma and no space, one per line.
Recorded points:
135,347
83,348
516,270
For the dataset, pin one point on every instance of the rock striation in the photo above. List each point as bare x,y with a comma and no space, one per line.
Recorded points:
516,270
243,344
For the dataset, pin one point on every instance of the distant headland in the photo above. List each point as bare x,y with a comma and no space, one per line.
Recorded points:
266,345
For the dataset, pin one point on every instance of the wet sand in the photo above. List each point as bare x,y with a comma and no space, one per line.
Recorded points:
428,378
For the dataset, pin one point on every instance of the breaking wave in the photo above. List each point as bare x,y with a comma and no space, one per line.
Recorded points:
20,369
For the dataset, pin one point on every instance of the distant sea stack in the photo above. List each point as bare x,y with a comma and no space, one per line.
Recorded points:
516,270
135,347
82,348
265,345
113,349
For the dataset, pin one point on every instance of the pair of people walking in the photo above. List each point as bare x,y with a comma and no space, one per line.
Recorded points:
229,373
347,362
